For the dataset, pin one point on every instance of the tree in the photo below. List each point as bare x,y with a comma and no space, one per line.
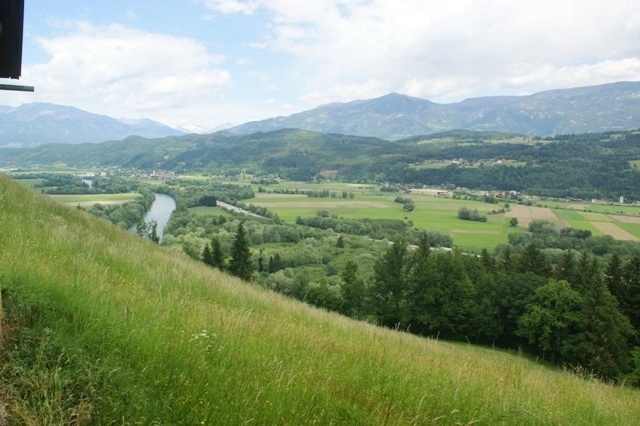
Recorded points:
601,343
147,229
353,290
388,285
566,268
630,291
613,276
534,260
513,222
241,265
217,256
551,316
207,256
441,296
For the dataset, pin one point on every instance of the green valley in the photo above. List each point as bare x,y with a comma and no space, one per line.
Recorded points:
102,325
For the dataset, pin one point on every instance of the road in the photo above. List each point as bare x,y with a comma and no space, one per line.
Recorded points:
235,209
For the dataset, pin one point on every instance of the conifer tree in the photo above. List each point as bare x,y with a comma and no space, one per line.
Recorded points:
534,260
388,285
353,290
207,256
613,276
241,265
217,256
566,268
601,344
630,292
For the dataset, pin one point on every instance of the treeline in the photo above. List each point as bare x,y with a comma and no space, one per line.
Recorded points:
374,228
466,213
575,314
128,214
311,193
54,183
580,166
190,193
545,234
573,166
407,203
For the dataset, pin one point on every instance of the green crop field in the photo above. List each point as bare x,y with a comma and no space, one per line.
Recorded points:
210,211
431,212
632,228
88,199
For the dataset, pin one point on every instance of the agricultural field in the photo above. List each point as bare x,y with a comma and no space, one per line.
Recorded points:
431,212
624,226
210,211
440,213
87,200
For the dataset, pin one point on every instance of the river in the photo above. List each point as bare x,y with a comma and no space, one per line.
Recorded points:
160,211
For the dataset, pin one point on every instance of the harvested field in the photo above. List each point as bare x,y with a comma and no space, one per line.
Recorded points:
625,219
526,214
610,228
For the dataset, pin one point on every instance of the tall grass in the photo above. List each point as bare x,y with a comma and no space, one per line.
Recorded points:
102,326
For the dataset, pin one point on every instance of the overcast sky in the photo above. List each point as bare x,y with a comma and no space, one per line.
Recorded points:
210,62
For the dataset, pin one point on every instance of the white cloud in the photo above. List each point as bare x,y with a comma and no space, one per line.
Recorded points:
117,70
450,49
231,6
345,93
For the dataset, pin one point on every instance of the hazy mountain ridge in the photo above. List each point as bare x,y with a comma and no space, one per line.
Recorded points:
35,124
614,106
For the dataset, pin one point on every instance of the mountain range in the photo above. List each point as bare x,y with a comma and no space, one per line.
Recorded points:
614,106
591,109
36,124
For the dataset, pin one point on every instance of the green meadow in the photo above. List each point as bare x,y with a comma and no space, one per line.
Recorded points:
88,199
210,211
102,327
431,212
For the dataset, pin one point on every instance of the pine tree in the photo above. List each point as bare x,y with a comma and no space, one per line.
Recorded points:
353,290
566,268
534,260
630,292
207,256
601,344
613,276
241,265
217,256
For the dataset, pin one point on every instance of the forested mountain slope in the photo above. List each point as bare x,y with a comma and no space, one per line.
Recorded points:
584,166
614,106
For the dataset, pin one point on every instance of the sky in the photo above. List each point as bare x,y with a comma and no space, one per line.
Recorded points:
209,63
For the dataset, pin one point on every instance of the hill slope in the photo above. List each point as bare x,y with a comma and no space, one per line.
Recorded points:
614,106
35,124
101,325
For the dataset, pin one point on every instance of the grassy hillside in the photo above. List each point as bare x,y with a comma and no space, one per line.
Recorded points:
102,326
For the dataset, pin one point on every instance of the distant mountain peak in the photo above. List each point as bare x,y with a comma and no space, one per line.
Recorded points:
37,123
613,106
